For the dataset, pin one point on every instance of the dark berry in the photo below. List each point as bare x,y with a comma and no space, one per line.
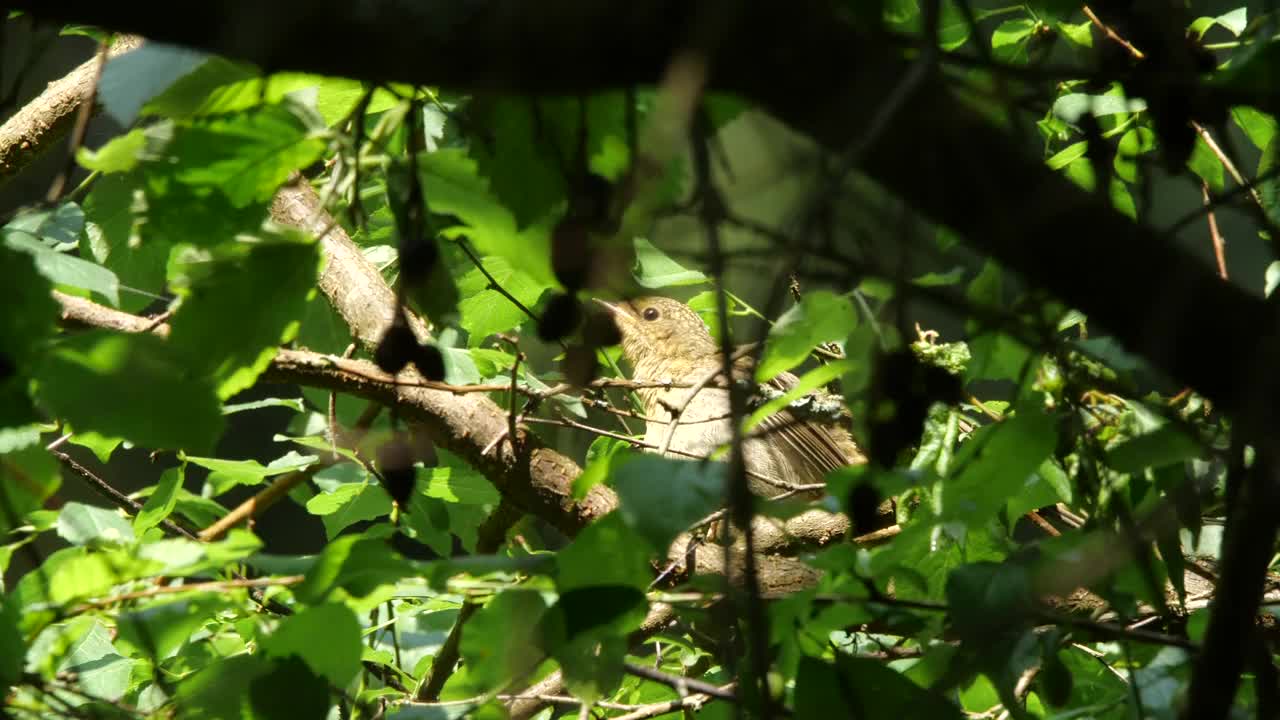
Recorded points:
430,362
397,348
395,462
571,252
560,317
579,365
864,507
601,330
418,258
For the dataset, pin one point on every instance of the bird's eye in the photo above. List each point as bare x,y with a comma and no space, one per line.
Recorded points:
650,313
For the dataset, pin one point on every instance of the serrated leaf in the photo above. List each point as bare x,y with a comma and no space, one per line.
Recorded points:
66,269
271,284
661,497
162,500
821,317
325,637
1164,446
132,386
996,462
80,524
656,269
246,156
453,186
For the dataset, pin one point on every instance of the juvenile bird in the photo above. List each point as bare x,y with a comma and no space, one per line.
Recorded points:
666,341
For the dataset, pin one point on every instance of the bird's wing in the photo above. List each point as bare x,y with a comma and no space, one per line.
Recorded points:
822,447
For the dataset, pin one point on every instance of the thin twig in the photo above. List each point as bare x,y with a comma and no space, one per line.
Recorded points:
1219,245
682,685
83,114
116,497
1112,34
213,585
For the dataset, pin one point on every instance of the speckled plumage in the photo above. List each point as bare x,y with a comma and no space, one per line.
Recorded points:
664,341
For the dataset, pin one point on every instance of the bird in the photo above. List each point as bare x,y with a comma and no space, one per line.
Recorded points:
665,341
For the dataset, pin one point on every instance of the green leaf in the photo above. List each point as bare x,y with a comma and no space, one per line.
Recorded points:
270,284
1164,446
226,474
453,187
162,501
326,637
13,646
988,599
486,311
1135,142
821,317
28,477
1080,34
159,630
1207,165
501,641
58,228
113,240
1067,155
354,563
132,386
599,464
524,152
246,156
65,269
349,497
996,356
997,461
661,497
457,483
118,155
1010,37
655,269
1258,126
81,524
131,79
23,333
1071,106
100,669
220,689
607,553
216,85
858,687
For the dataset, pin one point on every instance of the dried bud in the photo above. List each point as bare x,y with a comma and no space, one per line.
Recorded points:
571,252
418,256
397,348
864,507
560,317
395,462
579,365
430,362
601,330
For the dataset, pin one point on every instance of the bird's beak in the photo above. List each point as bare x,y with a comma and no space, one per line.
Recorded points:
618,310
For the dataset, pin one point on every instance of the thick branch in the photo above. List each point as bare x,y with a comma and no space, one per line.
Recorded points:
41,123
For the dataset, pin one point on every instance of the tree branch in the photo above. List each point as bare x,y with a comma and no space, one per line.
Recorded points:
43,122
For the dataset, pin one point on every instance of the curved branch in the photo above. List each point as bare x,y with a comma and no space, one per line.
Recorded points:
45,120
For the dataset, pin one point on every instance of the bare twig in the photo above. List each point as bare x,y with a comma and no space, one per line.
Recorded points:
1219,245
81,126
682,685
116,497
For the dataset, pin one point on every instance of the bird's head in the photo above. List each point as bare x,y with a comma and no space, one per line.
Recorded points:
662,336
